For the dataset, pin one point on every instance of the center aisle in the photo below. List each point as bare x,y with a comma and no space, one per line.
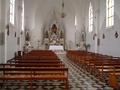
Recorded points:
80,79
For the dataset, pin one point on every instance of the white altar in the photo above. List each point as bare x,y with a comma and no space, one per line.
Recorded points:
56,47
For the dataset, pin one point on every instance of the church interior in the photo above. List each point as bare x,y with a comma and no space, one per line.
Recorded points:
59,45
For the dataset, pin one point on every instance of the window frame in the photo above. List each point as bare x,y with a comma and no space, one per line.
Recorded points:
12,12
76,23
109,13
22,16
90,18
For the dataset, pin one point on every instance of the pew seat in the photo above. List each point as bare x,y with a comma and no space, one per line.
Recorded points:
34,74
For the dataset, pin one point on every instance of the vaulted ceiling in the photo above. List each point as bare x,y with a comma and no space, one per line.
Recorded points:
44,8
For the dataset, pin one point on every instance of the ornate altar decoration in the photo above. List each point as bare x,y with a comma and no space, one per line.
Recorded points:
53,36
54,29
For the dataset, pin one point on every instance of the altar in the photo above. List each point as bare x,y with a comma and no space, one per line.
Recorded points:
56,47
54,37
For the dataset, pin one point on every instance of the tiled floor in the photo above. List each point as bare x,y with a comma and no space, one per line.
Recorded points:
78,80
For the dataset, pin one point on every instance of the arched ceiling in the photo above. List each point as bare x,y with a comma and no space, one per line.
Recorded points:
45,8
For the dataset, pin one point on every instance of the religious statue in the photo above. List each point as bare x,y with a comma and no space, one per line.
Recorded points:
27,35
54,37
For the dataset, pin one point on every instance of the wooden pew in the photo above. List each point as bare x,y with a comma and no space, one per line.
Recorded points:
37,57
97,64
39,54
31,74
33,65
114,77
35,61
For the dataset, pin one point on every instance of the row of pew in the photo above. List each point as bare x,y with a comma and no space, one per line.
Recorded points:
105,68
35,65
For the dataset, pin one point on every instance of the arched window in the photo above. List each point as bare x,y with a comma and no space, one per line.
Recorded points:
22,14
109,13
76,22
12,11
90,18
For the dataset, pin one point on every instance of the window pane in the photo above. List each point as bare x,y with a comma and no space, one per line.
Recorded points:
91,14
106,22
112,20
90,18
11,1
12,11
23,15
112,10
110,3
92,21
109,13
10,8
106,3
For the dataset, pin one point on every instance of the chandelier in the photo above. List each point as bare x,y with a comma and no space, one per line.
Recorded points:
62,12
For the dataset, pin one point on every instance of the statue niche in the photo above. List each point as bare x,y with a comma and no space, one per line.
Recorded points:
54,37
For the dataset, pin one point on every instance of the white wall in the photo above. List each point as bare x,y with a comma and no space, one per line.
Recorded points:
11,43
0,15
10,46
0,32
2,27
109,45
